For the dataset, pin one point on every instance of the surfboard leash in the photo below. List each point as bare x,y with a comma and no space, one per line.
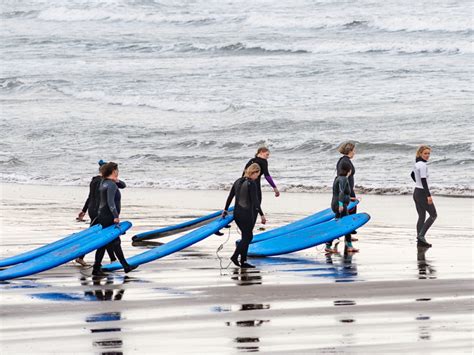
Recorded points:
219,249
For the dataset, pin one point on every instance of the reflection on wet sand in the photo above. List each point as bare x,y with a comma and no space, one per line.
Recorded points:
247,340
242,341
106,345
247,323
424,331
246,277
425,270
108,293
253,306
346,270
344,303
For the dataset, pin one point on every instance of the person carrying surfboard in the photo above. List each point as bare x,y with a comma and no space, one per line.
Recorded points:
341,197
247,206
108,215
92,207
347,149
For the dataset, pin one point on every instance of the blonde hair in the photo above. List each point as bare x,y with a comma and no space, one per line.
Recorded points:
346,147
421,149
253,168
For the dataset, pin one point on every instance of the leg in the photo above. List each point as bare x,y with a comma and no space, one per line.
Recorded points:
99,255
433,215
110,252
420,209
247,237
117,249
245,223
422,206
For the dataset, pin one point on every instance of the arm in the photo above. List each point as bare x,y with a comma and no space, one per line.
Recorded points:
121,184
256,201
80,216
343,191
111,190
425,186
413,176
269,179
424,182
86,205
229,200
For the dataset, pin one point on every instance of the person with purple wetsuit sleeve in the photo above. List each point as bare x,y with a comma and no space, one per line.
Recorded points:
261,158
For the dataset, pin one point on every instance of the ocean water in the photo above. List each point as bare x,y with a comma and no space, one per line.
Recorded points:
181,93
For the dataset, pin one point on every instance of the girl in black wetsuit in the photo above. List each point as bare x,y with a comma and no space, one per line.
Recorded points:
261,158
347,149
422,195
341,196
247,206
92,207
109,211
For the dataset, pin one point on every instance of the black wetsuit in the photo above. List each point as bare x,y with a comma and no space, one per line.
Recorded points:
92,206
109,209
263,163
92,203
247,206
420,196
341,193
347,160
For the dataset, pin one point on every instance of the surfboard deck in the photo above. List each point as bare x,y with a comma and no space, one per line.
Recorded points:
178,228
66,253
309,237
174,245
31,254
319,217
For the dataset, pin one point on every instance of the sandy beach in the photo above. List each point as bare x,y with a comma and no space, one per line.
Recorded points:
388,298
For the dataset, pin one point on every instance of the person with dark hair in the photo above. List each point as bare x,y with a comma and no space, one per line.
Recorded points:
92,207
341,197
261,158
108,215
247,206
422,195
347,149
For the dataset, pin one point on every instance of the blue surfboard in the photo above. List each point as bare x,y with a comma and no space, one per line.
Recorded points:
175,245
21,258
320,217
309,237
66,253
178,228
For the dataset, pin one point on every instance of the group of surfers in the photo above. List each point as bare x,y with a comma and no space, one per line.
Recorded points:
104,202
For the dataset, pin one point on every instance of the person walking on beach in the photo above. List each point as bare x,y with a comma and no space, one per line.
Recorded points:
92,207
422,196
347,149
247,206
341,196
261,158
108,215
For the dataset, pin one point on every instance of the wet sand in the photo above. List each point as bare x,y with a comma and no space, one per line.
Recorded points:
389,298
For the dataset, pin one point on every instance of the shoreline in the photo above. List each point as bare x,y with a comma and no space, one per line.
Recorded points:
292,190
